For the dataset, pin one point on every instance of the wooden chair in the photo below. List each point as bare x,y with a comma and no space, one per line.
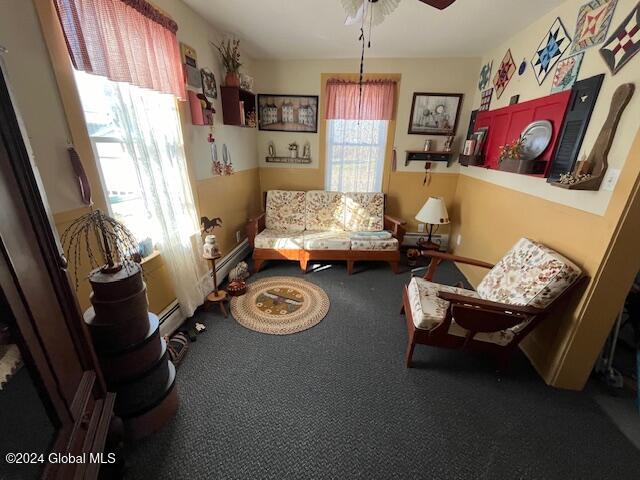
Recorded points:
507,306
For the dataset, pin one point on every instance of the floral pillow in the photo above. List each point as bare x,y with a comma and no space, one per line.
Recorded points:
285,211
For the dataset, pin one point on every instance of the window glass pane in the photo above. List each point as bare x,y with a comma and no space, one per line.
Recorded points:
100,101
355,155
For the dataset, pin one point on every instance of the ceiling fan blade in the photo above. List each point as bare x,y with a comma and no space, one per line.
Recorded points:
439,4
357,18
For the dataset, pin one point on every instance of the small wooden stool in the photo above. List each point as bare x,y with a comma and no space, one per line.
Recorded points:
218,297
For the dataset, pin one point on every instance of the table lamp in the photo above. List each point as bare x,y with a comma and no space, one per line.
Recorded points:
433,212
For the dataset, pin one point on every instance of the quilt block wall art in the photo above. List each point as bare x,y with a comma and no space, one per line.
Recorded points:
503,75
593,23
624,43
551,48
567,73
485,101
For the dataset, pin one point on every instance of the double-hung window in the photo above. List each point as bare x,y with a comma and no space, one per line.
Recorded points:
356,135
355,155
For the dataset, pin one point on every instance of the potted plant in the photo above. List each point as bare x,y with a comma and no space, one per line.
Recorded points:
293,150
230,54
510,158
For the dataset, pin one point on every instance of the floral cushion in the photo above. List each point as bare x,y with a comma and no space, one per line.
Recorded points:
370,245
276,239
529,274
364,212
324,210
285,211
383,235
326,240
428,311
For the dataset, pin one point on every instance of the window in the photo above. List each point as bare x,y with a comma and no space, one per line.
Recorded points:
116,149
355,155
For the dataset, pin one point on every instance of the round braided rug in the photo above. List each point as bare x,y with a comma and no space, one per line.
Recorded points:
280,305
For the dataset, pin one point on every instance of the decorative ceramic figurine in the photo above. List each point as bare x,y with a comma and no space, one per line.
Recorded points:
293,149
210,247
239,272
272,150
306,150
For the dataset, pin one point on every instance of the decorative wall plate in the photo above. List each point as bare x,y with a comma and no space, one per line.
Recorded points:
537,137
551,48
593,22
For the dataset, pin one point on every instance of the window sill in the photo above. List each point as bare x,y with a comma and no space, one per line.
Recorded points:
152,262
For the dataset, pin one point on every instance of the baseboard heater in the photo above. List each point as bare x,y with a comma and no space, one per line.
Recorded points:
171,318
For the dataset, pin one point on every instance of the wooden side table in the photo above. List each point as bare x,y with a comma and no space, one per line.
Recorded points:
218,297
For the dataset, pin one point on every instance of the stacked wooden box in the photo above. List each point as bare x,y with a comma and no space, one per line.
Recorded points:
133,356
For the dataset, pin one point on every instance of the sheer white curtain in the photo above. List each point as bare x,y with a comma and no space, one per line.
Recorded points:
355,155
151,125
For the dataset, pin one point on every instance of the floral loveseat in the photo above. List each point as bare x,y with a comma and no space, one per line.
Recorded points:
508,303
320,225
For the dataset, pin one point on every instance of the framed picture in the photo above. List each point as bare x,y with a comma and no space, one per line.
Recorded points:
209,87
288,113
435,113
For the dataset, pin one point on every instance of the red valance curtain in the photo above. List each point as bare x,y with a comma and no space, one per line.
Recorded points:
125,41
344,101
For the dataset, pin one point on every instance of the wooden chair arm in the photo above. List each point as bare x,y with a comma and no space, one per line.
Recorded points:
396,226
455,258
487,304
397,221
254,226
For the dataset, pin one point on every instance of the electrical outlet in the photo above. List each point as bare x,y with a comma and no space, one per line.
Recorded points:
238,236
421,227
610,179
459,240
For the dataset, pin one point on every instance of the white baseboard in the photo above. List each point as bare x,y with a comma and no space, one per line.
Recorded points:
171,318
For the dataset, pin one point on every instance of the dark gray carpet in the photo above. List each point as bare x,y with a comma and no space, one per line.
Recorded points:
335,401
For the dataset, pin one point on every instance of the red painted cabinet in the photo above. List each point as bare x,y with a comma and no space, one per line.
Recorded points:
507,123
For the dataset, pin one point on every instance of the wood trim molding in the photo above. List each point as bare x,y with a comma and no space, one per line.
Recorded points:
64,74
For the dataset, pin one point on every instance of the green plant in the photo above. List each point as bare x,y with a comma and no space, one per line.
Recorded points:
230,54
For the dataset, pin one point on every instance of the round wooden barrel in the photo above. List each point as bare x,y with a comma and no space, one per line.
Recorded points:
122,310
113,286
115,337
156,416
139,393
136,359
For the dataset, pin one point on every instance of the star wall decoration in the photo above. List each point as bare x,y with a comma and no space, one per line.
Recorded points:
624,43
551,48
485,75
593,22
504,74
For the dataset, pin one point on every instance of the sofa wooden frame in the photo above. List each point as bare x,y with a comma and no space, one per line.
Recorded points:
260,255
475,315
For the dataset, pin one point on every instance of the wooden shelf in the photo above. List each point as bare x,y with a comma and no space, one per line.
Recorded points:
427,156
298,160
231,98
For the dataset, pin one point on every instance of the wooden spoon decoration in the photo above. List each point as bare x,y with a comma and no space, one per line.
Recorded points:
600,151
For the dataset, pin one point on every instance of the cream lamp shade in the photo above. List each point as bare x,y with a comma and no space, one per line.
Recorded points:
433,212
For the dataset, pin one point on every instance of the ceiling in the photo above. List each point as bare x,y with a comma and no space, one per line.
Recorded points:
305,29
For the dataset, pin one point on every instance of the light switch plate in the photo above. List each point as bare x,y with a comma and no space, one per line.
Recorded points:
459,240
610,179
421,227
